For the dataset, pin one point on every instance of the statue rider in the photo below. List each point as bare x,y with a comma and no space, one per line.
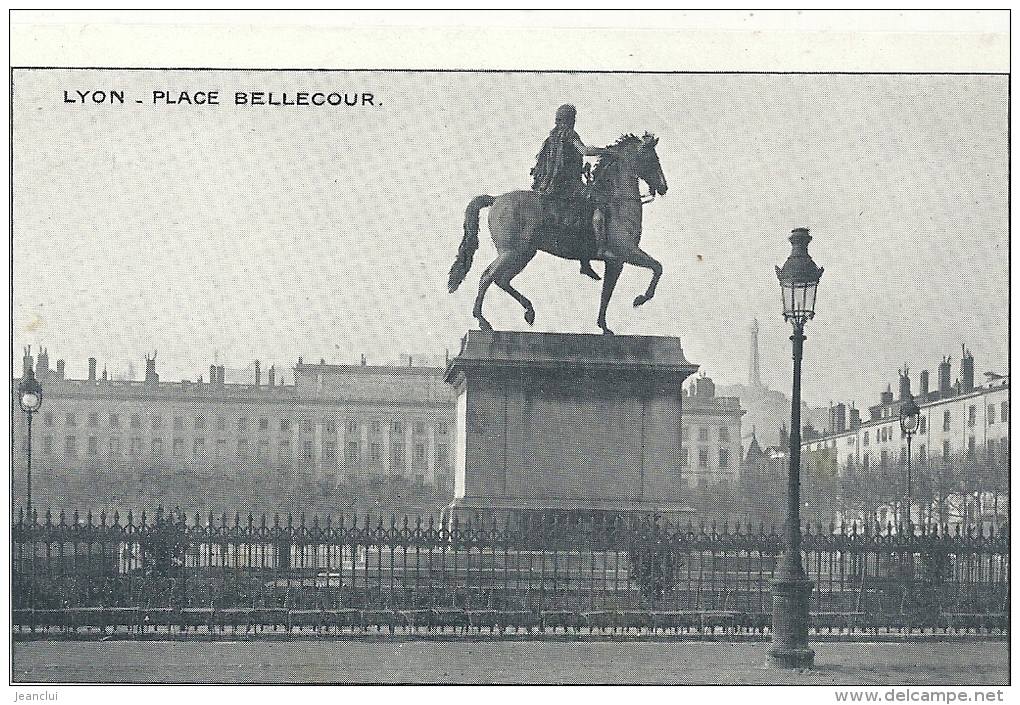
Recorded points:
559,170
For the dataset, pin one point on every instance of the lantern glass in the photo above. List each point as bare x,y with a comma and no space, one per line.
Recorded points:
910,416
30,402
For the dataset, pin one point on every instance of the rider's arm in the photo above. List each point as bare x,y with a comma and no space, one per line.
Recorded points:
588,151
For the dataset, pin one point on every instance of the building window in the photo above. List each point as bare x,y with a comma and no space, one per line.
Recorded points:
724,457
922,426
308,451
136,446
375,453
136,421
114,447
420,428
284,424
945,450
262,450
702,434
865,438
702,457
1004,409
397,455
922,452
285,451
991,449
685,433
69,420
263,424
351,454
242,447
47,445
397,427
724,434
307,427
70,446
329,452
179,445
945,420
157,447
221,423
375,427
442,456
684,457
157,422
221,447
970,447
991,414
329,425
420,457
199,423
242,423
198,447
971,415
178,423
93,445
114,421
93,420
48,419
441,428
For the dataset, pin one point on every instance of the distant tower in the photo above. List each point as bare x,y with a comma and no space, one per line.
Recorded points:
754,368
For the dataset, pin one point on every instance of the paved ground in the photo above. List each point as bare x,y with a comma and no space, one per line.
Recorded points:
970,662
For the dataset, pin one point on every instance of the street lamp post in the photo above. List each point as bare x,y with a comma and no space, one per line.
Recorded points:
30,399
910,416
791,588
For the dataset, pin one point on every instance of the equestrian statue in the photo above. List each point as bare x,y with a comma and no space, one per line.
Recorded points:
571,212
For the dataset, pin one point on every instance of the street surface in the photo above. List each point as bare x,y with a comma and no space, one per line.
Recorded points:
963,662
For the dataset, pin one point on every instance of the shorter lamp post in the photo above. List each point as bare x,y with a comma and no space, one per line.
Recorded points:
30,399
910,416
791,588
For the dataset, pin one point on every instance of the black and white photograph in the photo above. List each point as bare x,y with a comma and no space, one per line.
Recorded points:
491,350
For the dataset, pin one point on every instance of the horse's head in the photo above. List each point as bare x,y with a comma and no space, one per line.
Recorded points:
648,166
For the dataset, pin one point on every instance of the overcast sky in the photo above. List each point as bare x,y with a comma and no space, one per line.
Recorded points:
327,232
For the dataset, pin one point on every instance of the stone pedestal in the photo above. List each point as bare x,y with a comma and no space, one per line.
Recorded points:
568,423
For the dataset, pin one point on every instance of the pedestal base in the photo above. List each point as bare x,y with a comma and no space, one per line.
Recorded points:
790,597
515,511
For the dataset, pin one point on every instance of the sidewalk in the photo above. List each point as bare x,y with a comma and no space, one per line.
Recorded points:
978,661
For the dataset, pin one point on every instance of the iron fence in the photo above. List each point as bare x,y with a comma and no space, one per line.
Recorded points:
537,572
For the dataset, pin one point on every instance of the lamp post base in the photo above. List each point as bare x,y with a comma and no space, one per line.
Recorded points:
790,622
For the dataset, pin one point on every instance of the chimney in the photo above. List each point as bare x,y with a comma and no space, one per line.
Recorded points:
967,370
855,419
705,387
924,385
150,370
258,375
905,383
42,365
886,397
272,376
26,363
92,369
60,369
945,385
837,418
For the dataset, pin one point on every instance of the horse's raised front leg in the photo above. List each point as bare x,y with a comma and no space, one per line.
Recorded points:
638,257
614,268
509,268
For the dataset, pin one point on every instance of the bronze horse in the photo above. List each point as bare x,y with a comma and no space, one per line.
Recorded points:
520,226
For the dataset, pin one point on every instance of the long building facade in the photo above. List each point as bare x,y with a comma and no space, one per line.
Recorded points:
331,423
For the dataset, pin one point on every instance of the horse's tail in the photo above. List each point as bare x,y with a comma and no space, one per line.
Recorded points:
469,244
